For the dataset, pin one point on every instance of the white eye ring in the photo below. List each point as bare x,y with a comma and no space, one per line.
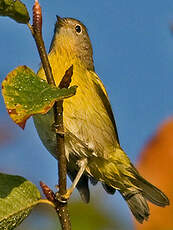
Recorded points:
78,29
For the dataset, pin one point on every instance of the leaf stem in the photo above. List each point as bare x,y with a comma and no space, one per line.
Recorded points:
45,201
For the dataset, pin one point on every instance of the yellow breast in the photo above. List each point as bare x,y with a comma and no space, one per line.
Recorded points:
85,115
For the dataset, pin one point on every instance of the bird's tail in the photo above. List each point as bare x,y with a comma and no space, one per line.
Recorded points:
137,198
137,204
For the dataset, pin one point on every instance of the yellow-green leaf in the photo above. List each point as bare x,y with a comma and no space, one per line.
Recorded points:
17,198
25,94
97,218
14,9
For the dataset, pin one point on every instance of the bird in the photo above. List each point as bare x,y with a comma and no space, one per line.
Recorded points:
92,146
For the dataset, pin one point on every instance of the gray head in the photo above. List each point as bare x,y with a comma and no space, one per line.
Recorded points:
71,36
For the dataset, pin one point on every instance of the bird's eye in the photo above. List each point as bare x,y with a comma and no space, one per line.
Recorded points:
78,29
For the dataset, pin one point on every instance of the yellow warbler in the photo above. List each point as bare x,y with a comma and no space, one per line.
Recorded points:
91,140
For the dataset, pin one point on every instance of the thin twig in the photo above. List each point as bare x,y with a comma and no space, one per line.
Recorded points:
36,30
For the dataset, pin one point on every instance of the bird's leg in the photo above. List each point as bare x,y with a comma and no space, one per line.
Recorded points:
82,164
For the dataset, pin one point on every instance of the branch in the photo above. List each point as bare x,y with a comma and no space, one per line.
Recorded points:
36,30
59,207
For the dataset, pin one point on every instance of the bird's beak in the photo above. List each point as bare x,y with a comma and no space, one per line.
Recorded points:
60,21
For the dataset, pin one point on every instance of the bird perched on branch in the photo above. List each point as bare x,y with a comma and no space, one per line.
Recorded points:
92,146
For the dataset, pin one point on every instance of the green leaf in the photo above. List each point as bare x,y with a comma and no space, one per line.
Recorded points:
17,198
25,94
14,9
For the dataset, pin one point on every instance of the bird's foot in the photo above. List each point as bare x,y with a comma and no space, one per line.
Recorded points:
64,198
56,128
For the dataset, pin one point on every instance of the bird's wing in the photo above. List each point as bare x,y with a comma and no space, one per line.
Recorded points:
101,91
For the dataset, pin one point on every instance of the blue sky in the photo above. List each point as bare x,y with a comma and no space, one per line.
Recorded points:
133,54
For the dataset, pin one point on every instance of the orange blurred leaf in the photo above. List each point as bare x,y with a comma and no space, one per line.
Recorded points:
155,164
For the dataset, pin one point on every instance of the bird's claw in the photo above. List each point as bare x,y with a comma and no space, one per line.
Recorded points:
63,198
56,127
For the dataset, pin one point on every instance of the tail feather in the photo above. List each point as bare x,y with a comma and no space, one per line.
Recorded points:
109,189
151,193
137,204
138,195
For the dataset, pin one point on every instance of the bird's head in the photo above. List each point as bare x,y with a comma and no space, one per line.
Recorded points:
71,38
